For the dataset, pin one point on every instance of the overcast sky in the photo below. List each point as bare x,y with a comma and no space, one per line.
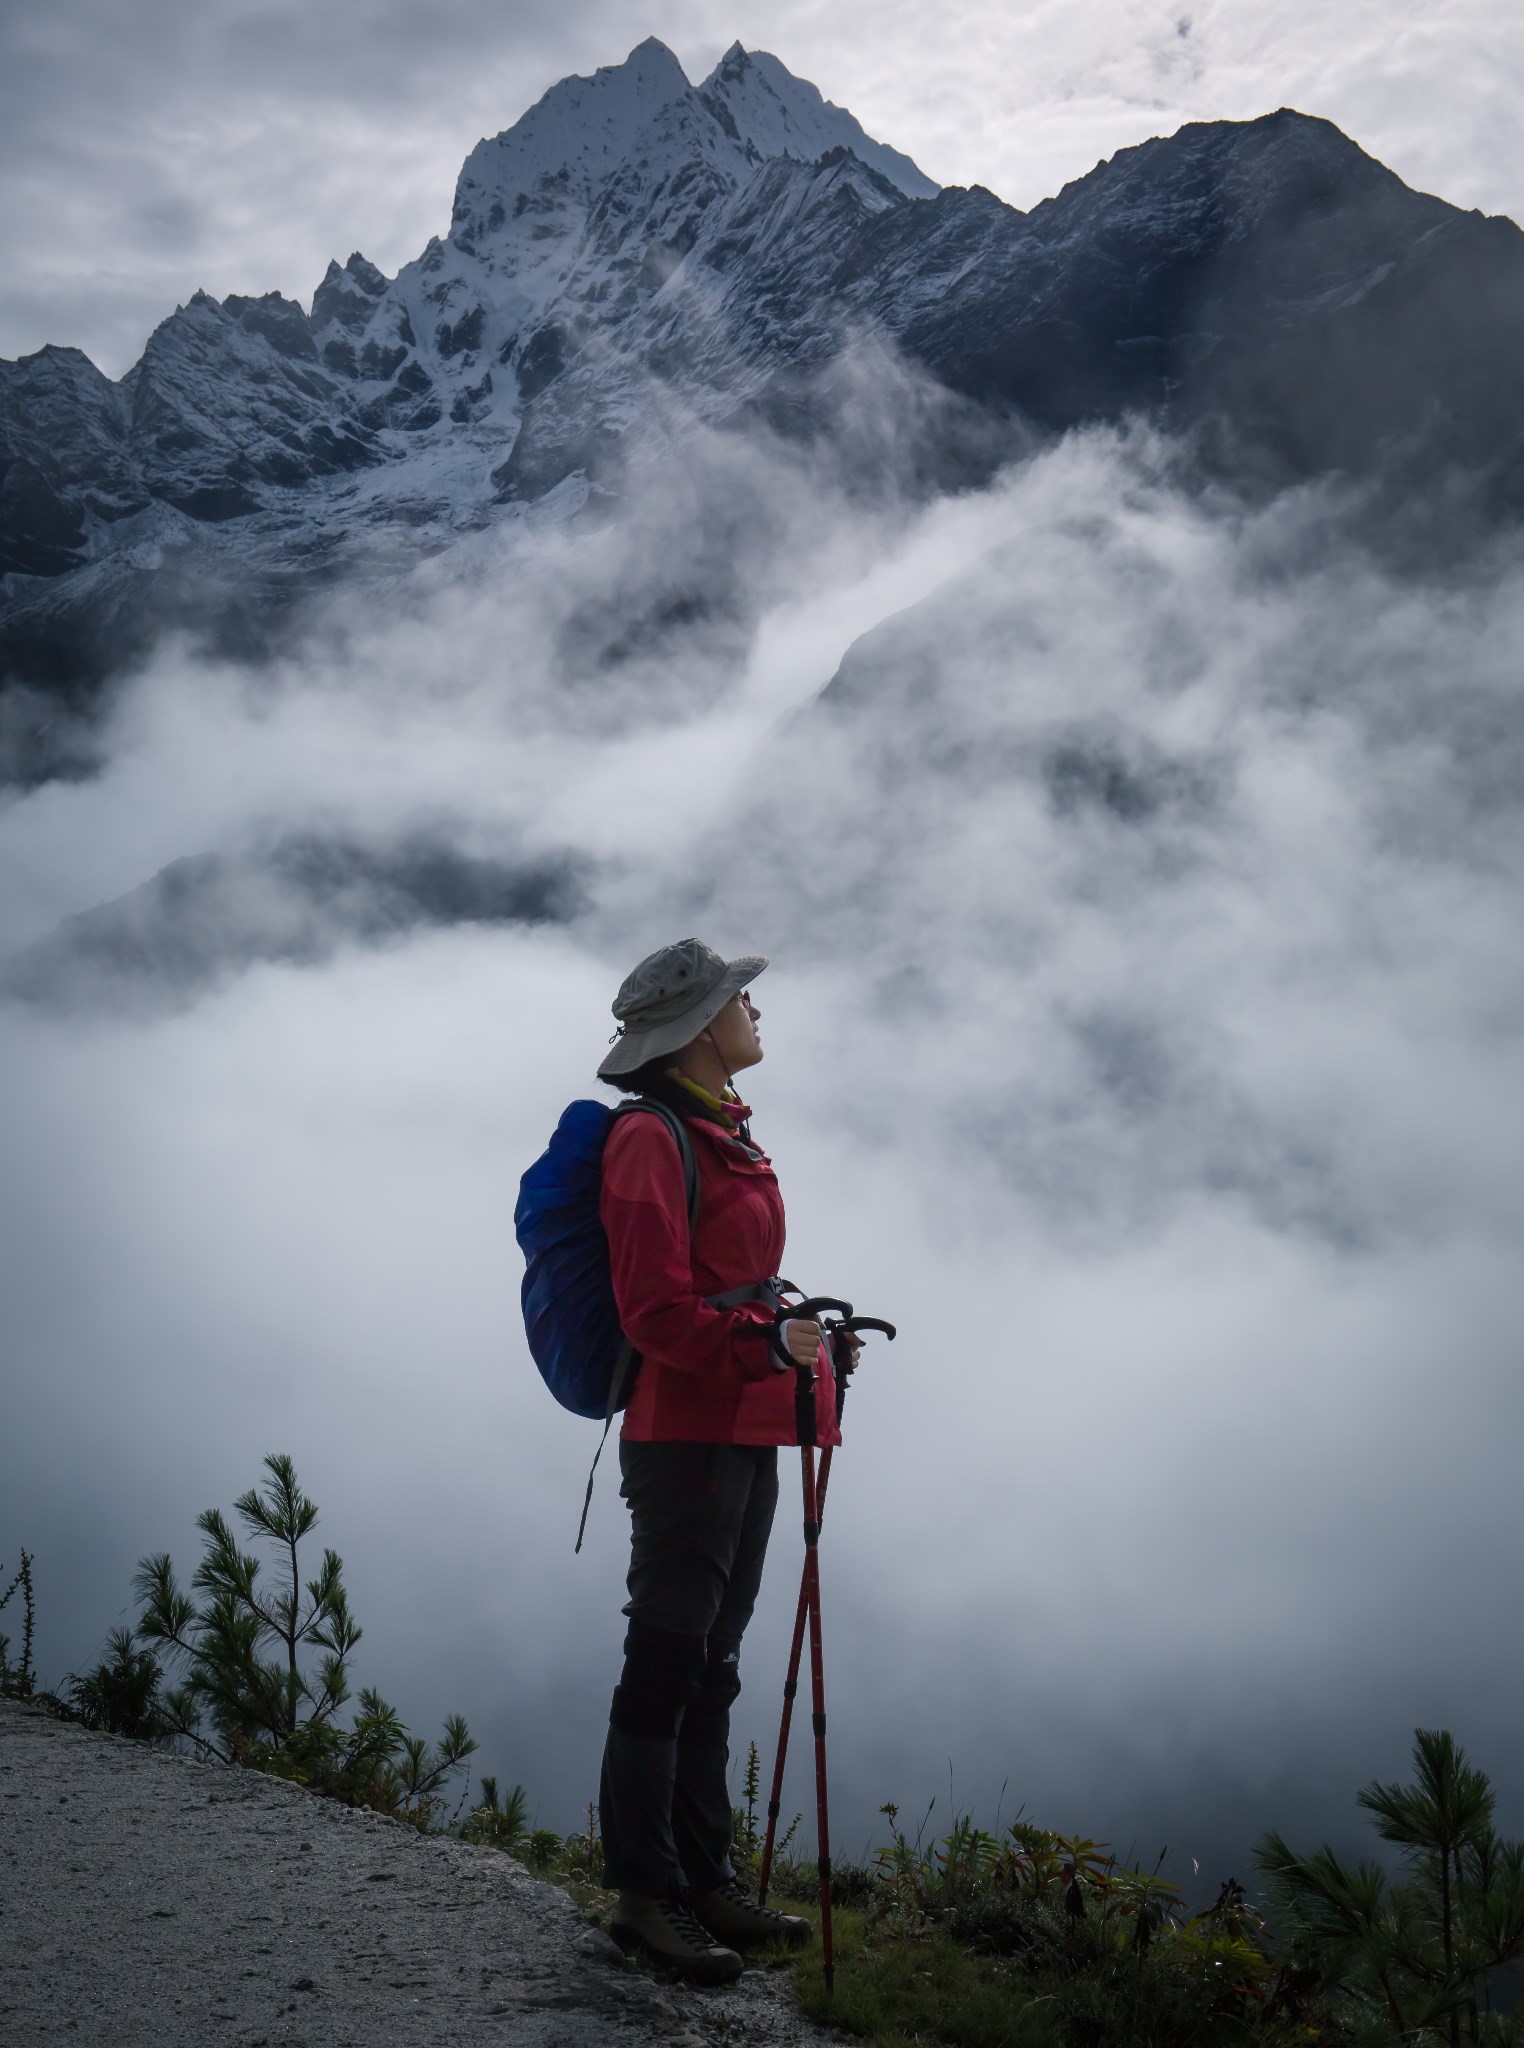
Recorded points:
146,151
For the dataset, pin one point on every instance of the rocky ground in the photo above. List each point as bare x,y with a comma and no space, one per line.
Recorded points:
148,1901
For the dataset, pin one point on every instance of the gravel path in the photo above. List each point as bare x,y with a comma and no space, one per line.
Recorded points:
148,1901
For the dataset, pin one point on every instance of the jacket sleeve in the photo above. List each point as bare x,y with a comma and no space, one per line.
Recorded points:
644,1208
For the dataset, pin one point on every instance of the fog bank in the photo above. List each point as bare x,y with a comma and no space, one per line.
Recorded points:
1141,1036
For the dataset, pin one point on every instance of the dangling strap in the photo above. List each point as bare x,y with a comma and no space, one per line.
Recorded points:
617,1379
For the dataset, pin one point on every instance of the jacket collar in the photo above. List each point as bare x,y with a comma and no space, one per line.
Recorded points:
727,1110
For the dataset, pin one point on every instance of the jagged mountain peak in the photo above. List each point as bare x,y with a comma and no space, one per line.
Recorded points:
582,127
645,113
579,215
347,295
778,115
60,359
358,270
651,55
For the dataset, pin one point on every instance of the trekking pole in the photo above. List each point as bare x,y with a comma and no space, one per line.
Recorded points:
839,1331
844,1358
804,1413
817,1668
790,1691
817,1688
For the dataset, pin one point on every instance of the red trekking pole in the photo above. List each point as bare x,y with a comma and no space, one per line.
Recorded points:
840,1332
804,1429
790,1691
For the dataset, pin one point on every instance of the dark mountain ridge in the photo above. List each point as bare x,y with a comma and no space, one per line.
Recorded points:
294,900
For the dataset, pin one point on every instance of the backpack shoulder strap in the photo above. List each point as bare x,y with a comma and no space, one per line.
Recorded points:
624,1365
678,1127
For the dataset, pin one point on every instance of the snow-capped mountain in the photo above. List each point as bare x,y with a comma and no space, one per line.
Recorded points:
637,252
568,227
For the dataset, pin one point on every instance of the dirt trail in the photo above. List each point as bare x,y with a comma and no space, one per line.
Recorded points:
147,1901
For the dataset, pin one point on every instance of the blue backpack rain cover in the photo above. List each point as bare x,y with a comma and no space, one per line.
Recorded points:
570,1316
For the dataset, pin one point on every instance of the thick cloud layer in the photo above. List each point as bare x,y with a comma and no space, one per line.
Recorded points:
150,152
1142,1037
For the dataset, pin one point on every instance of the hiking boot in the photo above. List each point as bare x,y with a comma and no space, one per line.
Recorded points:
732,1914
667,1930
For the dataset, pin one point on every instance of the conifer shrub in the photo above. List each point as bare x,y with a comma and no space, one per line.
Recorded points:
499,1823
542,1848
253,1667
1415,1960
121,1696
18,1681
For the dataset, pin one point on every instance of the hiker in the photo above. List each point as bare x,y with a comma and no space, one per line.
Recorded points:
698,1453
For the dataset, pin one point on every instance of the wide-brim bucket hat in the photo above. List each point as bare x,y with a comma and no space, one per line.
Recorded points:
665,1002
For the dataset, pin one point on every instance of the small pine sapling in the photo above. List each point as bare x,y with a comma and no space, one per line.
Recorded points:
19,1681
1416,1954
501,1823
265,1665
121,1695
746,1839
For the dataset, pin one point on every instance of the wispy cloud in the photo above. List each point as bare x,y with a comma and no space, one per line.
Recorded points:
1141,1036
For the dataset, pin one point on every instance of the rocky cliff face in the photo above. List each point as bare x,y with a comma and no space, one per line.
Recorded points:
636,253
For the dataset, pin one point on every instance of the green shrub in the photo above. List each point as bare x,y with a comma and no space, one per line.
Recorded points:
542,1848
121,1695
19,1681
264,1667
500,1824
979,1940
1410,1961
983,1940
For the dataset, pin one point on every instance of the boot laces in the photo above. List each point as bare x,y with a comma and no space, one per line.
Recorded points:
738,1894
679,1916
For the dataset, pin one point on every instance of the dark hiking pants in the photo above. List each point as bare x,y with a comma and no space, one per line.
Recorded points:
700,1516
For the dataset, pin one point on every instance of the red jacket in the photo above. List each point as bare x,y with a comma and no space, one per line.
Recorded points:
700,1380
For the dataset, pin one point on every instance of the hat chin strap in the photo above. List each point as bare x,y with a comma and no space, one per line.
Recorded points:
708,1032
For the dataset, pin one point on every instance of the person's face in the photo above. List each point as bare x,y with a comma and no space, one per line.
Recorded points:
734,1033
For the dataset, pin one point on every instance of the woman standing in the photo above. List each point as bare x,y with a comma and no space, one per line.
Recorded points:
698,1452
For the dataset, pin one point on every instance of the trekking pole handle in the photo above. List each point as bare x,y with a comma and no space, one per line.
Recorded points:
843,1322
844,1347
802,1312
809,1311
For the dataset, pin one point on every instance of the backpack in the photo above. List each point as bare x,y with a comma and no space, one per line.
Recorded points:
570,1316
